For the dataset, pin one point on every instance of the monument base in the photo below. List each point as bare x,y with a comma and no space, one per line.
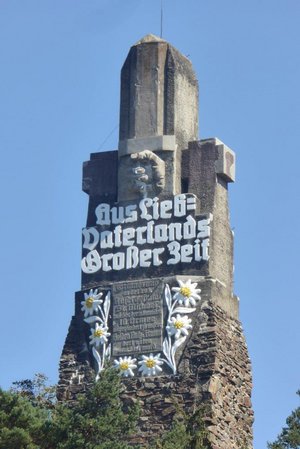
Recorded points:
214,375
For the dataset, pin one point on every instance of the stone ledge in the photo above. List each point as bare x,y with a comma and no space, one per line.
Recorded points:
156,143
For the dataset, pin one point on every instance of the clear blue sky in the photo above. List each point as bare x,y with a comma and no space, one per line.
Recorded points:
59,90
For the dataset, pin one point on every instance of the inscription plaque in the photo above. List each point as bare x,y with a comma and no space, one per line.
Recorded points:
137,317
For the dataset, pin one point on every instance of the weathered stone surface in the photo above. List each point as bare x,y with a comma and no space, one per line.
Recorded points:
104,186
212,191
159,94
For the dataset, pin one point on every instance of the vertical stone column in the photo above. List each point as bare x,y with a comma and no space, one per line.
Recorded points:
209,165
158,111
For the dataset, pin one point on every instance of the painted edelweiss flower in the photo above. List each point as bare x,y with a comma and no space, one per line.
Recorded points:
179,326
126,366
91,302
150,366
99,335
186,293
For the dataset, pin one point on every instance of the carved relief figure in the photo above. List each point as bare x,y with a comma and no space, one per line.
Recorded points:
148,174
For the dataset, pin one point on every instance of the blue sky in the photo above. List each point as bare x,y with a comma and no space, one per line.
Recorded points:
59,90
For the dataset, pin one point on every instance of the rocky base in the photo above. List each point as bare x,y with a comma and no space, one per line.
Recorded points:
214,374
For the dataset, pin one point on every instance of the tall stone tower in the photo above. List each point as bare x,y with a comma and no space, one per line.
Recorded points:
157,261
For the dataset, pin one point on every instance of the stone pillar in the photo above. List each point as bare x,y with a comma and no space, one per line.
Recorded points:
157,261
158,112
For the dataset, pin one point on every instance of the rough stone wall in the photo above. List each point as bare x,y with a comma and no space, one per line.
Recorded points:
214,374
75,368
230,383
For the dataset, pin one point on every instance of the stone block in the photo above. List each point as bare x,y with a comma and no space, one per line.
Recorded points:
153,143
104,185
225,164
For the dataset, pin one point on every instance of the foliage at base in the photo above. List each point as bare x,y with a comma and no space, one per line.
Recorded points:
97,421
36,390
187,432
289,437
20,422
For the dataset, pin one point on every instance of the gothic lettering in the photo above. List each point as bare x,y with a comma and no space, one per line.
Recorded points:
166,231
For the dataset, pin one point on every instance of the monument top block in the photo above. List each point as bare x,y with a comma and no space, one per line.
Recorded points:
158,112
159,98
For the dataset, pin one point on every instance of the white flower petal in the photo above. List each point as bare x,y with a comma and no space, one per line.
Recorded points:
177,335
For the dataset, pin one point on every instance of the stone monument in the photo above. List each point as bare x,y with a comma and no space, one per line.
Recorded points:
157,261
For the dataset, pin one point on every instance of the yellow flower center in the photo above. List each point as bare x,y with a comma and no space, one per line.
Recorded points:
99,333
185,291
150,363
178,324
124,366
89,302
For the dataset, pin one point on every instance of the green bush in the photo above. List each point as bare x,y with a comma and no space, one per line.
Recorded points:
30,419
188,432
289,437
